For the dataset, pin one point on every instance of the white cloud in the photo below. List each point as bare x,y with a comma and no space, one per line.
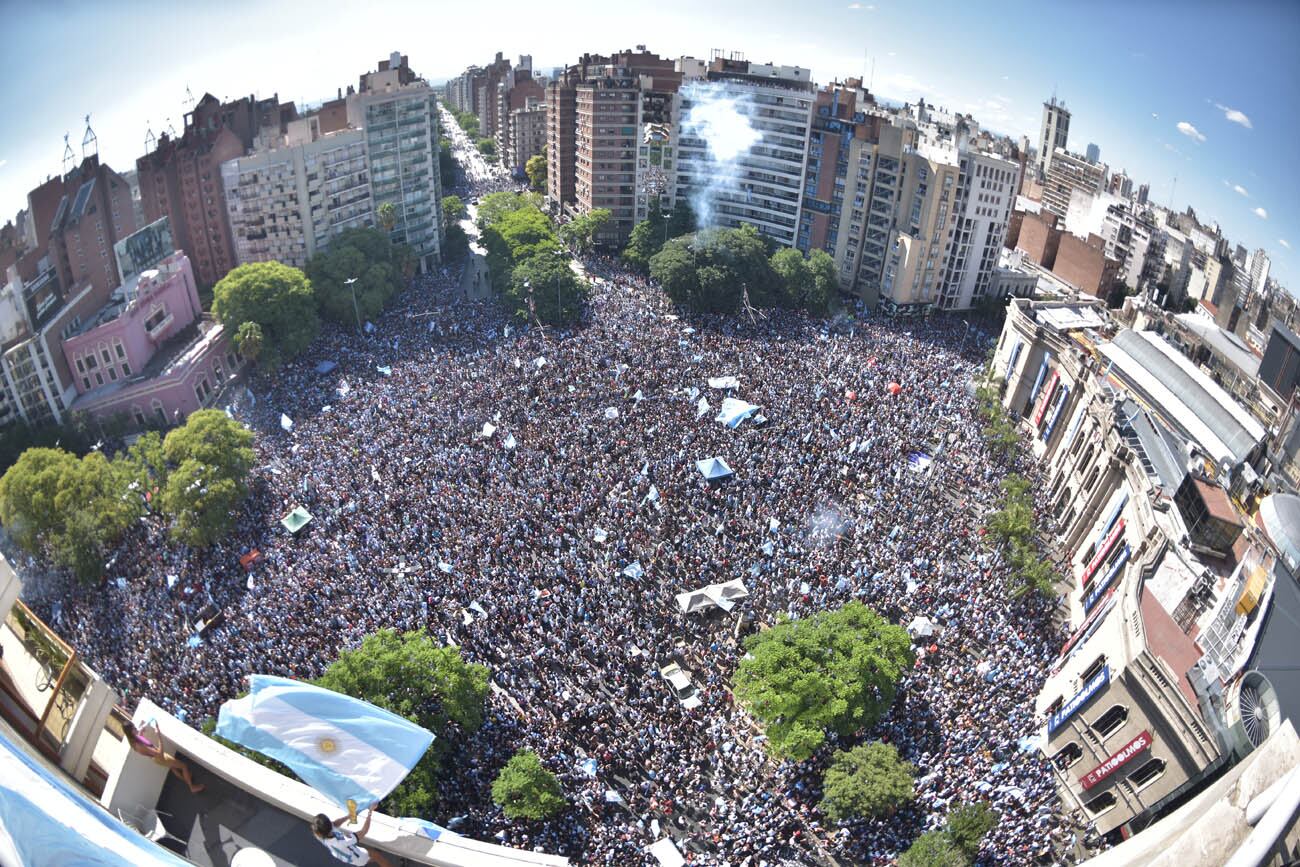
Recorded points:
1238,188
1233,115
902,84
868,7
3,163
1261,213
1284,242
1190,131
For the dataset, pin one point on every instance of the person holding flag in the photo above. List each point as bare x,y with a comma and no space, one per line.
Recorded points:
348,750
343,844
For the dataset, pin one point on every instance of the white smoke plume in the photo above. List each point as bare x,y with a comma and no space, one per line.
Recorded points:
723,122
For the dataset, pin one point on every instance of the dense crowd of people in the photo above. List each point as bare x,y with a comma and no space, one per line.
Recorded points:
532,496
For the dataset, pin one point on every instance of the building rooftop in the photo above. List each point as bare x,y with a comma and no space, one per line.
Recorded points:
1187,399
1225,343
1157,448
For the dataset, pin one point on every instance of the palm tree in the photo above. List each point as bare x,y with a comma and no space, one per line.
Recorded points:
387,215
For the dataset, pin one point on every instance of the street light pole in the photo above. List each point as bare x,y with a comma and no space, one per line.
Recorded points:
351,284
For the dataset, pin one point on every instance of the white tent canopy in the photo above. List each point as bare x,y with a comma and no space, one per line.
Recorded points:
734,411
713,468
665,852
921,627
722,595
724,382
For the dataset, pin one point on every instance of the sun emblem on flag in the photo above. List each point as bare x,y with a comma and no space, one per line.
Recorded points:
327,745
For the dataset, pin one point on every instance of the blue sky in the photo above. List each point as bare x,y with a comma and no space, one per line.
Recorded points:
1206,92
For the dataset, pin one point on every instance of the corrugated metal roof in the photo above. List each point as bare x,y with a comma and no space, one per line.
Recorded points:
1188,398
1156,446
1227,344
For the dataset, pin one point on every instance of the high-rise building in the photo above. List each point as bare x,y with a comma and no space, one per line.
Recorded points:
181,178
1092,153
986,192
488,103
1055,133
519,101
1144,192
1259,267
834,184
527,126
285,204
762,185
597,111
400,124
1066,174
93,214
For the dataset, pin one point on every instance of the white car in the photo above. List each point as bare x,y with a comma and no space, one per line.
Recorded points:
680,683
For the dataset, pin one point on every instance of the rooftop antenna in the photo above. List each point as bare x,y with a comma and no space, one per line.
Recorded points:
89,141
872,80
188,102
171,128
150,140
68,155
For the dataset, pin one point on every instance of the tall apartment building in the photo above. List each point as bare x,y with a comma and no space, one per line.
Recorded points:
1092,153
1055,133
597,111
919,242
462,91
285,204
1067,173
520,108
841,127
1259,267
181,178
527,139
763,186
494,75
986,191
94,213
400,125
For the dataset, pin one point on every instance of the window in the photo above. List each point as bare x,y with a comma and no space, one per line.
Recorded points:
108,359
138,415
1100,804
1067,755
126,369
1094,669
121,350
159,411
112,373
155,319
1148,773
99,379
1111,721
81,368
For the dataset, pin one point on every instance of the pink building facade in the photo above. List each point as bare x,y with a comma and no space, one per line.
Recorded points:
151,354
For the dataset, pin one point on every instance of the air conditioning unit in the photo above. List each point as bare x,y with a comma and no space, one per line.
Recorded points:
1251,710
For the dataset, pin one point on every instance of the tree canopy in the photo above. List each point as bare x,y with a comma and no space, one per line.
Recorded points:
208,460
526,790
72,508
865,782
528,265
834,671
379,266
453,209
582,231
432,686
535,168
968,824
1013,527
275,296
933,849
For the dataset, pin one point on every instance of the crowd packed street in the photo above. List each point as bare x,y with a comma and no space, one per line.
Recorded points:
532,497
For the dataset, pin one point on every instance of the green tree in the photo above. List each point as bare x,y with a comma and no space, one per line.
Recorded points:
486,146
796,278
248,340
379,266
386,216
867,781
825,284
452,210
582,231
446,164
535,168
494,206
455,243
715,270
432,686
682,220
73,509
933,849
833,671
546,283
28,492
526,790
209,459
275,296
968,824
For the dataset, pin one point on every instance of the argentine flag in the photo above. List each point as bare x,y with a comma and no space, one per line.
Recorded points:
345,748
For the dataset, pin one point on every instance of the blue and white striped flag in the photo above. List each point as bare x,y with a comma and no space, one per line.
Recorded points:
345,748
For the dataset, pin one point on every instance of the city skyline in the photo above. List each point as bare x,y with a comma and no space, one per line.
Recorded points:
1221,129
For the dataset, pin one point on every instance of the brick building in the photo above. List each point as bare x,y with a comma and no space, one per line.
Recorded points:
181,178
93,214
